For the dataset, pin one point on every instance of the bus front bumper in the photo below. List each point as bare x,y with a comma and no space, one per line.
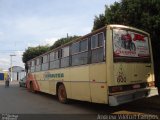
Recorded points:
117,99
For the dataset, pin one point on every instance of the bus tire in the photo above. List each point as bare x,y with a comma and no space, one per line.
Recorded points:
61,93
32,88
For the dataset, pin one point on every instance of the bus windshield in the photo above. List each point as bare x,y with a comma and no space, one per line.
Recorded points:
130,45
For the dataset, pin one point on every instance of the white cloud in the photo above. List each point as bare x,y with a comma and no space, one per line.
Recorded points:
47,41
4,63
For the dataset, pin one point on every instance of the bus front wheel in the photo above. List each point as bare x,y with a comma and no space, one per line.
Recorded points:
32,88
62,95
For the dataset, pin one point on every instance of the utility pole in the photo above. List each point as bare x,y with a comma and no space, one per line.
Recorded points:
67,35
11,65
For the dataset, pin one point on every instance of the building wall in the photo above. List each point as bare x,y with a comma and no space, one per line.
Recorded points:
20,75
1,76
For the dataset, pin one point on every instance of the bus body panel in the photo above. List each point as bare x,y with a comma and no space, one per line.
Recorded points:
130,73
98,83
128,80
79,77
88,87
47,81
59,76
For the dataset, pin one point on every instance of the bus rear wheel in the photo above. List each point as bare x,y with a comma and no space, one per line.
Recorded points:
62,95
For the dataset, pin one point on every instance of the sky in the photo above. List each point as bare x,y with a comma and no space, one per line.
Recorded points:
29,23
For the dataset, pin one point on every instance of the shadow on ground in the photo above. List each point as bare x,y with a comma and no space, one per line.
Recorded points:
146,105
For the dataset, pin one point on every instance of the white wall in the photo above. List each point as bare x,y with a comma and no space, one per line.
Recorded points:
21,75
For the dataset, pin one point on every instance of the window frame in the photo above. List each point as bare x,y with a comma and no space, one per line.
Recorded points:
33,63
86,39
98,40
65,57
79,62
68,48
57,57
46,55
103,46
37,62
78,49
29,66
81,52
53,53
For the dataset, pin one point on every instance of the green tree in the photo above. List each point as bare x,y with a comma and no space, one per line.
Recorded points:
63,41
99,21
32,52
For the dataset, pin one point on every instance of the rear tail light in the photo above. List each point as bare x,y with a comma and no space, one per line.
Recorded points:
117,89
136,86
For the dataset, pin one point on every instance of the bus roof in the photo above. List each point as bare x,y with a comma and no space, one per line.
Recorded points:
127,27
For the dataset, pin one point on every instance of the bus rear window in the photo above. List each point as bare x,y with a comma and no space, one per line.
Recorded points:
130,45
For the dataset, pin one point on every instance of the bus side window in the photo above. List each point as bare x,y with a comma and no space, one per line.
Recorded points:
45,62
51,56
94,41
100,40
29,67
75,48
84,45
65,57
38,65
32,65
80,52
54,60
51,59
97,47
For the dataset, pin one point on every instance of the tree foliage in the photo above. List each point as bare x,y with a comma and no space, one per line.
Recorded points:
63,41
143,14
32,52
99,21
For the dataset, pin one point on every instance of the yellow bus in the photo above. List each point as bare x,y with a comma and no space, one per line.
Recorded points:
112,65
